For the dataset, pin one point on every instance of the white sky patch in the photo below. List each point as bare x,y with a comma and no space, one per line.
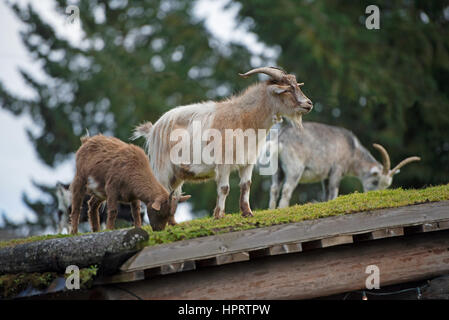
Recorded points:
222,24
19,163
183,212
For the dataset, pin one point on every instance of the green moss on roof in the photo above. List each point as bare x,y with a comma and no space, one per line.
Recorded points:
346,204
12,284
14,242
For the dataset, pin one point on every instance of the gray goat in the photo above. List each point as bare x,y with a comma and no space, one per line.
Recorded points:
318,152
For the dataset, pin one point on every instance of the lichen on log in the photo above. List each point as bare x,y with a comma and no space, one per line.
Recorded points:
105,249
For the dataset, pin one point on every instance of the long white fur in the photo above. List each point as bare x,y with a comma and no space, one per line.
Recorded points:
158,135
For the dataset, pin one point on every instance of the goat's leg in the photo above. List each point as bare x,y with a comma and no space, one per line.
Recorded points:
245,184
291,181
135,211
178,192
323,190
64,220
78,189
334,183
112,204
59,227
222,179
93,213
275,189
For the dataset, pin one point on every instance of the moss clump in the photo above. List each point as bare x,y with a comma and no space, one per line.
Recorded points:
15,242
12,284
87,276
346,204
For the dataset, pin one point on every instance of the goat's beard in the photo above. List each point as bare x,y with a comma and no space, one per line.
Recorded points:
296,120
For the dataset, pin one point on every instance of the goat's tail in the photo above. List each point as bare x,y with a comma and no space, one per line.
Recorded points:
85,137
142,130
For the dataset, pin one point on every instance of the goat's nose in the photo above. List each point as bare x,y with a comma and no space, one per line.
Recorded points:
308,104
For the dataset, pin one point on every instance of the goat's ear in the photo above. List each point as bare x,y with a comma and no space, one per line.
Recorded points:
278,89
184,198
156,205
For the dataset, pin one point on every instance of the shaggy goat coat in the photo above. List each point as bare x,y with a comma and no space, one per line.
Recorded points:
110,169
252,110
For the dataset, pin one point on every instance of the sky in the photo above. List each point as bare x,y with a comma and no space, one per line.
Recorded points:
19,163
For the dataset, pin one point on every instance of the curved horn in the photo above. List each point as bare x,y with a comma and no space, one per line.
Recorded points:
275,73
403,163
385,158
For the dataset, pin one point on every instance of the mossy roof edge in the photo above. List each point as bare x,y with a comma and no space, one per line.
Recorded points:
346,204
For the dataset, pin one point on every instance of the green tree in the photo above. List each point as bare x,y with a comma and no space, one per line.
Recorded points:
137,59
389,86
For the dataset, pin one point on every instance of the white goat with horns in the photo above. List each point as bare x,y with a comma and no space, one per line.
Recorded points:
322,152
253,110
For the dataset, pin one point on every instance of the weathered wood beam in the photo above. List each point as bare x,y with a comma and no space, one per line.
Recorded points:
379,234
437,289
327,242
224,259
105,249
120,277
309,274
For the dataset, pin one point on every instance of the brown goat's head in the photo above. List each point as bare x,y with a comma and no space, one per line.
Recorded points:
290,100
159,213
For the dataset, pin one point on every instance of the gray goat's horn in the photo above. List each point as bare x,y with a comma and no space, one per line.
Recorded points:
403,163
385,158
275,73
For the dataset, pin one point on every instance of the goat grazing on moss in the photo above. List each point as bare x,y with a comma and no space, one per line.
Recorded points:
253,110
111,170
320,152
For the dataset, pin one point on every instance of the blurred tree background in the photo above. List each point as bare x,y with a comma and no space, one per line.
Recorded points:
139,59
389,86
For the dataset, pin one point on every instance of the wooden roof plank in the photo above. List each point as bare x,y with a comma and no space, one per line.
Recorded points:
379,234
305,231
121,277
285,248
178,267
304,276
224,259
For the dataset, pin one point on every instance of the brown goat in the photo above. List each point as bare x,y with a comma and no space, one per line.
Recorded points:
112,170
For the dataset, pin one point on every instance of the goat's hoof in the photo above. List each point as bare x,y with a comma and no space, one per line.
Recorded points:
247,214
218,214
